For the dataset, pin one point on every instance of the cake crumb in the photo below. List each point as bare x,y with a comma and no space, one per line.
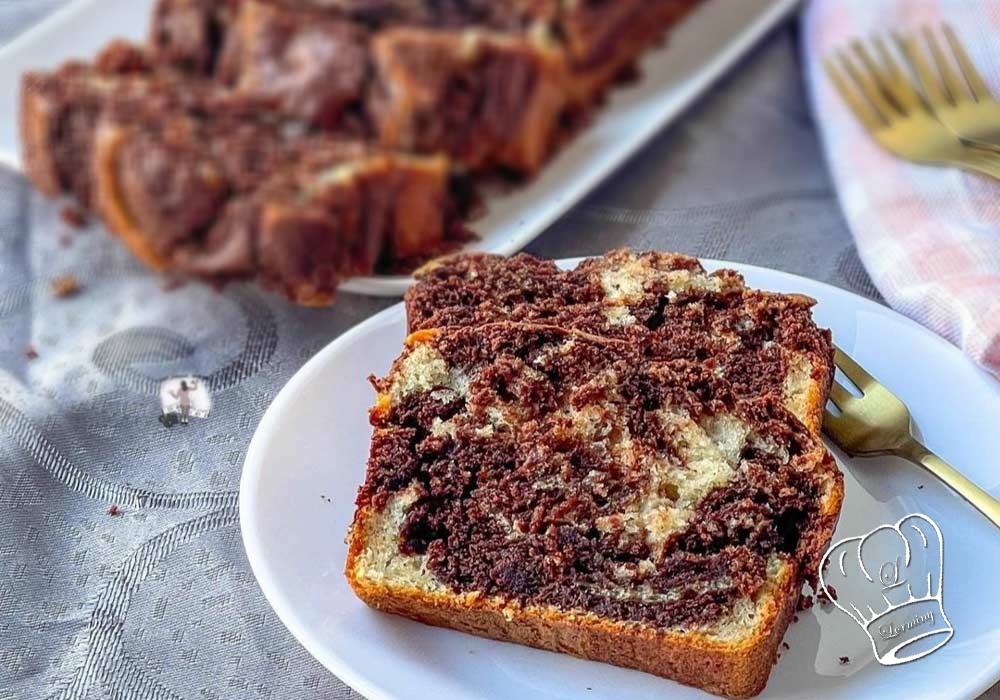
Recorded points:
65,286
795,618
784,645
806,602
920,487
114,512
844,660
73,216
30,352
828,596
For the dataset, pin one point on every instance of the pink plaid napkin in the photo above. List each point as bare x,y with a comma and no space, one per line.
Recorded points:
929,237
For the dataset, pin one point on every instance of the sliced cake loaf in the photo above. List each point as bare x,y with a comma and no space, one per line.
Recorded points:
564,490
764,343
603,38
223,190
489,100
59,111
492,84
200,180
308,63
464,79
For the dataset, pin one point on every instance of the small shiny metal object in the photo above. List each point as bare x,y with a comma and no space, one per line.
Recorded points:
886,101
959,98
878,423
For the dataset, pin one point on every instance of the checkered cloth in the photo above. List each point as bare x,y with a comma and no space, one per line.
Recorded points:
929,236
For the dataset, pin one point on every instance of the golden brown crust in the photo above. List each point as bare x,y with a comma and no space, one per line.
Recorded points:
418,219
816,403
110,202
820,392
735,669
822,379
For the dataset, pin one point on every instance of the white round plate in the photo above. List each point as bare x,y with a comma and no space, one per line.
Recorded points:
308,456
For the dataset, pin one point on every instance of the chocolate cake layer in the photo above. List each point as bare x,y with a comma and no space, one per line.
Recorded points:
765,343
555,467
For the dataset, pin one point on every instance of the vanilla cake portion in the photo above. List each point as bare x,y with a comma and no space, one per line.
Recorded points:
763,342
568,491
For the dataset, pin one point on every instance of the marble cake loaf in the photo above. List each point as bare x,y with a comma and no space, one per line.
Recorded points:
488,83
764,343
300,142
571,491
198,180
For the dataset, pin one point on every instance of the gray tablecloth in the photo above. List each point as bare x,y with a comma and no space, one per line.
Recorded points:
158,601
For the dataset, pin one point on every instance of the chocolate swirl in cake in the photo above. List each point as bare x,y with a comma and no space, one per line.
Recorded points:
765,343
555,467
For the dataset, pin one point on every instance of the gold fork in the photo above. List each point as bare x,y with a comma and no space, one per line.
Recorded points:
889,107
963,104
878,423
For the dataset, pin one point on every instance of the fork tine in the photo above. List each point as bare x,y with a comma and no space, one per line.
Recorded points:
829,419
881,77
837,428
907,46
869,86
855,372
900,85
840,396
865,113
832,425
952,84
875,70
976,83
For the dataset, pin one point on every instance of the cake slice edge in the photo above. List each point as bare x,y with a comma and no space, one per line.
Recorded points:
735,666
732,656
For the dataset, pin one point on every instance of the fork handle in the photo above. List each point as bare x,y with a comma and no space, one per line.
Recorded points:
984,163
975,496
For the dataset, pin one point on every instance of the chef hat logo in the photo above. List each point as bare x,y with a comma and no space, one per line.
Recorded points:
890,582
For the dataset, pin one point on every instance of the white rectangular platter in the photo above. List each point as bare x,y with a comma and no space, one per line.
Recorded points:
701,48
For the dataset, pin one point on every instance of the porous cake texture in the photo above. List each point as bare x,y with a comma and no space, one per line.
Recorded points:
580,461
